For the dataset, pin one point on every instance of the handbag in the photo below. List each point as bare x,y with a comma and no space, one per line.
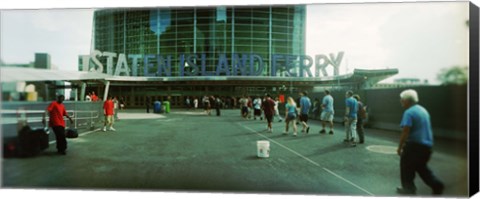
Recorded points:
71,133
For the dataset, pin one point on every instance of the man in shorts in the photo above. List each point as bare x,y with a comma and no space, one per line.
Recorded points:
269,110
244,106
108,111
257,108
327,112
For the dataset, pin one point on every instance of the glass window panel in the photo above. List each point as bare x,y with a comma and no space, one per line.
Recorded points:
243,20
221,14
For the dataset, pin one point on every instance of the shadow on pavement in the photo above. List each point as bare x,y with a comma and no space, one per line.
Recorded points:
253,157
329,149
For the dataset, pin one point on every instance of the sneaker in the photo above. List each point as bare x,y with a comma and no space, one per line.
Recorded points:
285,133
331,132
308,129
346,140
112,129
322,131
104,129
295,134
353,144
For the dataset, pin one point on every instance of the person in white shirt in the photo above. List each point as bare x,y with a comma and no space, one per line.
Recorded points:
277,113
195,103
88,98
257,108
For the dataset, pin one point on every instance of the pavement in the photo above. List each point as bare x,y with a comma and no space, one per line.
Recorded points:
187,150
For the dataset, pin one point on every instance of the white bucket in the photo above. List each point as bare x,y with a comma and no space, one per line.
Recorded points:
263,149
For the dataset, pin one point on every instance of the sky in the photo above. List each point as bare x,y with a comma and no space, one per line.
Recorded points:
417,38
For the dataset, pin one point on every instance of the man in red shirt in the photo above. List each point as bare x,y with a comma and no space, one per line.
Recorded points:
269,110
94,97
108,111
56,111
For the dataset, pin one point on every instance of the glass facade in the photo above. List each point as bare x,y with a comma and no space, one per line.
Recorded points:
212,31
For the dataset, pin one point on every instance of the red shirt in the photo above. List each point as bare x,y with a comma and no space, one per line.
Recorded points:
108,107
94,98
268,107
56,111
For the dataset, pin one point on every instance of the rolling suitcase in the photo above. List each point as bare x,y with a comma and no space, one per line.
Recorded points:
31,142
40,136
10,147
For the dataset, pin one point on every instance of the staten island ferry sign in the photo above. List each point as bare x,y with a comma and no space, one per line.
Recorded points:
196,64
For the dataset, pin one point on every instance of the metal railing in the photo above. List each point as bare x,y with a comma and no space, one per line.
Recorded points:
84,114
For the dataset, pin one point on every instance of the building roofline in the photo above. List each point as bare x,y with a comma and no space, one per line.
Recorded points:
15,74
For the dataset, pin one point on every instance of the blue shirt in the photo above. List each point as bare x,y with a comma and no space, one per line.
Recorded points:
290,108
328,103
305,105
418,119
353,105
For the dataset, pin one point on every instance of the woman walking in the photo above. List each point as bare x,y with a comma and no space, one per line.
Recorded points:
290,115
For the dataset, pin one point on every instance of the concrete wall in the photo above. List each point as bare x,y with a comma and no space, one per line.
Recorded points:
447,106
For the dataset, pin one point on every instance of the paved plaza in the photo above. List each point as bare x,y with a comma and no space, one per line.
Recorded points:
186,150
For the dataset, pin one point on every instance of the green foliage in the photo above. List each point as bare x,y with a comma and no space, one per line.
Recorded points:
456,75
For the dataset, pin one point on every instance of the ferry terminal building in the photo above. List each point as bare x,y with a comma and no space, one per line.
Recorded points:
149,54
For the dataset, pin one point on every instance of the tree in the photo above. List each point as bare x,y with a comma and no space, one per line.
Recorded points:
456,75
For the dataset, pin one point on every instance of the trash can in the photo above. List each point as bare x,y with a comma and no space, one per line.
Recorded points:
157,107
167,106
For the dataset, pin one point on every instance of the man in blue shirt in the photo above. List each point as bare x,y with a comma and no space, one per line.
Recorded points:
305,104
327,112
351,108
415,147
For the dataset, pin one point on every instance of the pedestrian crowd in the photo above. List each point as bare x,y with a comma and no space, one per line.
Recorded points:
414,149
298,111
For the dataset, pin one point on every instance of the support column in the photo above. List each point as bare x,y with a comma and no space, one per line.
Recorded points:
47,93
107,87
132,98
82,91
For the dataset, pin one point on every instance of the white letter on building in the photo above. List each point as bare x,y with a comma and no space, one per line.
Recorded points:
110,57
122,66
96,62
135,63
85,62
336,62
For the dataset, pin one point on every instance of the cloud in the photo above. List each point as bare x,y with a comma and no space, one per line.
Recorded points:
422,38
63,33
417,38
